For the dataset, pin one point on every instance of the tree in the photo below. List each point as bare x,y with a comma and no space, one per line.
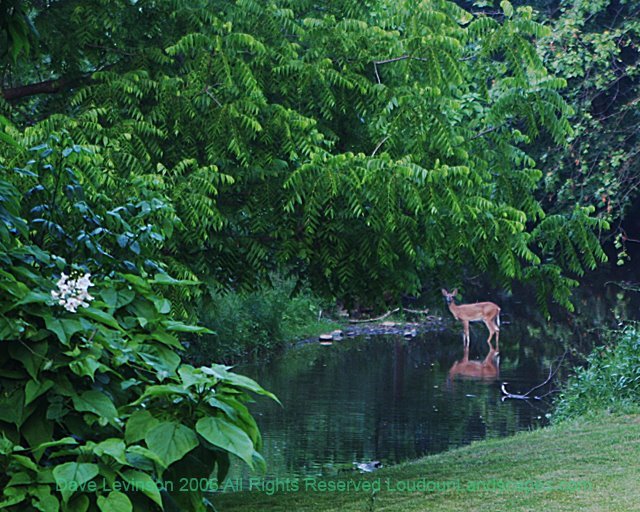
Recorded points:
594,46
364,149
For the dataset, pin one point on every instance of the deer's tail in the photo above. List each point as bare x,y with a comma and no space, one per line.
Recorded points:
498,319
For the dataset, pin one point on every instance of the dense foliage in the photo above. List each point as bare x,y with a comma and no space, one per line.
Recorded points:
258,323
594,45
610,382
366,147
363,148
96,408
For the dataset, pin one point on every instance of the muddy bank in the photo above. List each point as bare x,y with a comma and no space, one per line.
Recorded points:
394,328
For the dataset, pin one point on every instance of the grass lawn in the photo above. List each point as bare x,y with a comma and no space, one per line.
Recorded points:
576,466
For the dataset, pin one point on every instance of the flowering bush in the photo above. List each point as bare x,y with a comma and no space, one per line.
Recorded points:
96,406
72,293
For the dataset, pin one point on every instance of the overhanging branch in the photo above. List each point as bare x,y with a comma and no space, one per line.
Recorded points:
45,87
52,86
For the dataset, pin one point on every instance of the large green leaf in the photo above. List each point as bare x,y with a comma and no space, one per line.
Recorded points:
171,441
165,390
167,338
137,480
34,389
97,403
12,405
85,367
35,296
177,326
65,328
114,447
138,424
166,279
100,316
32,356
37,430
162,305
14,495
239,413
193,376
222,373
163,360
115,501
223,434
144,459
45,501
79,503
55,326
110,297
73,476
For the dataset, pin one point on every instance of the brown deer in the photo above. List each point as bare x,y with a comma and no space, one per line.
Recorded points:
488,369
488,312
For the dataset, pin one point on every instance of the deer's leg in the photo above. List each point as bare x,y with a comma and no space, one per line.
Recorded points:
492,331
465,324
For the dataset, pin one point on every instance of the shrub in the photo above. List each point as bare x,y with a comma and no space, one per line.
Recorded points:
248,324
610,382
96,407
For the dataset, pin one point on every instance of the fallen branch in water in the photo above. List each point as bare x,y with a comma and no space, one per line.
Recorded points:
388,313
506,394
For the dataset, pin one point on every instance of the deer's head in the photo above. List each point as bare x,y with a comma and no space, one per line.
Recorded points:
448,297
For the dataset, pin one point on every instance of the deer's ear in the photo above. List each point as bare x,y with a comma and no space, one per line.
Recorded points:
454,292
444,292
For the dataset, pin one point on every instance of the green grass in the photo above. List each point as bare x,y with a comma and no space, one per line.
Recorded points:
311,329
599,455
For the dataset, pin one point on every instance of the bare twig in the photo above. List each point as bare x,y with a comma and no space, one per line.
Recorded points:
483,132
526,396
208,93
625,285
375,68
380,145
376,63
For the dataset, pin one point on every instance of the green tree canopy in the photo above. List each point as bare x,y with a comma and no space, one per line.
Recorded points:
365,148
594,46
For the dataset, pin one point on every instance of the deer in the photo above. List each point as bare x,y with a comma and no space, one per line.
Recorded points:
488,312
489,369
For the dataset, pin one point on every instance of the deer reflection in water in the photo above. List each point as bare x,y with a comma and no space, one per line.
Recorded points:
489,369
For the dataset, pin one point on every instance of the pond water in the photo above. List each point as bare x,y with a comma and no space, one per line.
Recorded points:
391,399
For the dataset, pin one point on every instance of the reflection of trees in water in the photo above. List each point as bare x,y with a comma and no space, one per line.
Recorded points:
382,400
387,398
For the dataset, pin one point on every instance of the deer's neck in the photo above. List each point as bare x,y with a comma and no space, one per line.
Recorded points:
454,308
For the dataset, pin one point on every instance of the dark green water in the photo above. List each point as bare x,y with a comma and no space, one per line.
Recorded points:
390,399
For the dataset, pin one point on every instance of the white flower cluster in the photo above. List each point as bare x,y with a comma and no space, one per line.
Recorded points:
72,292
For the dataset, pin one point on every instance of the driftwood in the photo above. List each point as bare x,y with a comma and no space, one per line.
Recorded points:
388,313
526,396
